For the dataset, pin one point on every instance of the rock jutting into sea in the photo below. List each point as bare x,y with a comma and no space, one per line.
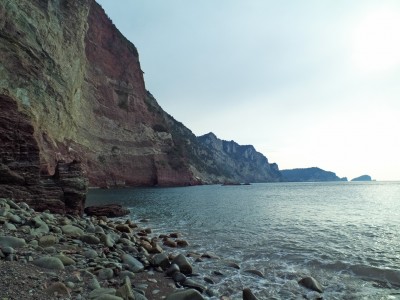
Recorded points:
362,178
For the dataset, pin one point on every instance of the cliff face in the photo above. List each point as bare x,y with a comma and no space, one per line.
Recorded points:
239,163
309,175
20,178
77,82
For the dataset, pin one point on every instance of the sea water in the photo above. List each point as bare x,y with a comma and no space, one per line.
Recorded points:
344,234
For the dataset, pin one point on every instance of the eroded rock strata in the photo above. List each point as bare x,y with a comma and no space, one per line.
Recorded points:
74,87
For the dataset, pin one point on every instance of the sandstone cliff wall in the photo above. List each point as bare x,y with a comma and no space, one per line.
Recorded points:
20,176
77,84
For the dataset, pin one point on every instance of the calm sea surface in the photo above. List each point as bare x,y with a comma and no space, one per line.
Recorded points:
346,234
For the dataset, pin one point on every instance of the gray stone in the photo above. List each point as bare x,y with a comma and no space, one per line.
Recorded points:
93,284
67,261
47,241
189,283
189,294
8,250
10,241
40,226
58,288
90,239
125,291
105,274
12,204
10,227
172,269
129,274
14,218
161,260
184,265
311,283
72,230
179,277
107,240
49,262
109,297
101,291
133,264
90,253
4,211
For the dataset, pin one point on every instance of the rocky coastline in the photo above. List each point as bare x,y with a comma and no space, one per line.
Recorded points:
54,256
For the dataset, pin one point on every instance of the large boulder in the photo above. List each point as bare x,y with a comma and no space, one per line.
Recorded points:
109,210
184,265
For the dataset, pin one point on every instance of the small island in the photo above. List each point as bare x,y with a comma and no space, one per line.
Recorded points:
362,178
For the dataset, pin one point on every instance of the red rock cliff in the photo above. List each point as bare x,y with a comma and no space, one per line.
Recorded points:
76,84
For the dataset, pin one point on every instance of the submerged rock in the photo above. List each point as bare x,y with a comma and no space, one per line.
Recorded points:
110,211
311,283
248,295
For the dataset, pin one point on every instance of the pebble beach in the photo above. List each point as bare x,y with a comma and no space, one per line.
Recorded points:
51,256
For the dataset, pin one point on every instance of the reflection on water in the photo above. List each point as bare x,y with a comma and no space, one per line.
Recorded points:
345,234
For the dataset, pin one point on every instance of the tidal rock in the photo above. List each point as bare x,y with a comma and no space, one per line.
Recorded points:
189,294
311,283
49,262
189,283
110,211
255,272
184,265
233,265
123,228
172,269
209,280
170,243
179,277
133,264
10,241
182,243
248,295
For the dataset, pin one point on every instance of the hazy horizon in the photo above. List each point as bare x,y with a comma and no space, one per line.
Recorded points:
308,84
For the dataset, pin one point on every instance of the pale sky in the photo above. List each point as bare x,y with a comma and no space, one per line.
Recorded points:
308,83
